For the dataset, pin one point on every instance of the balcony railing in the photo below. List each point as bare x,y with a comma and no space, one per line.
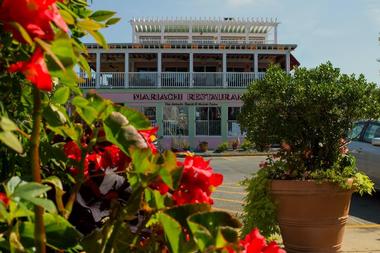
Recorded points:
205,41
169,79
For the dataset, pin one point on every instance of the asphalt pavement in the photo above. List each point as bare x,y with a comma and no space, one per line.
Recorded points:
363,228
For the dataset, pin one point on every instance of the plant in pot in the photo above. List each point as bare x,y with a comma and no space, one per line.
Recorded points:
306,187
203,146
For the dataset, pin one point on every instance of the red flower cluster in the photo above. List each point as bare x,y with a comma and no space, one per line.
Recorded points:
254,242
197,182
35,16
35,70
108,157
4,199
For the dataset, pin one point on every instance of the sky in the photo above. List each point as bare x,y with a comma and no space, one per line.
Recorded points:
344,32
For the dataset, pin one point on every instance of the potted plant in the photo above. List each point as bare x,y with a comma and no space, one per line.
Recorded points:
306,187
235,144
203,146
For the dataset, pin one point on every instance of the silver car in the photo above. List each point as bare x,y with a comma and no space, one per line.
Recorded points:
365,146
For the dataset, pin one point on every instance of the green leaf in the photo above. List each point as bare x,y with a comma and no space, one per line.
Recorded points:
213,228
23,32
63,49
67,17
7,124
80,101
99,38
102,15
83,63
30,190
173,231
89,25
136,118
45,203
9,139
112,21
60,234
53,116
61,95
59,192
47,48
181,213
154,198
13,183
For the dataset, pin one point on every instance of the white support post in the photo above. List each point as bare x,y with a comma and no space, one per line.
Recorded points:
246,34
97,78
134,40
219,36
191,68
224,70
275,35
287,62
159,69
256,64
190,34
162,34
126,70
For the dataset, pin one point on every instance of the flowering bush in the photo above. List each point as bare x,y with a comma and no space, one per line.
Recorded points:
98,183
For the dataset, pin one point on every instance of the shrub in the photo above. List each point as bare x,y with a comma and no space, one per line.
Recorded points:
222,147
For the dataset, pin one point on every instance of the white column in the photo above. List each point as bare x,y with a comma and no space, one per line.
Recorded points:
246,34
219,39
162,34
191,68
224,69
190,33
159,69
287,66
256,64
275,35
97,78
126,70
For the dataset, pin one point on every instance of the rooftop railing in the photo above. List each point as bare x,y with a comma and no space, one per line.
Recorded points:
204,41
119,80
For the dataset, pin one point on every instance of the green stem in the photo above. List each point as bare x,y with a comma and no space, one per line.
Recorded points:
39,229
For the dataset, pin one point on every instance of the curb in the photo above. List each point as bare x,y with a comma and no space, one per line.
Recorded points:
227,154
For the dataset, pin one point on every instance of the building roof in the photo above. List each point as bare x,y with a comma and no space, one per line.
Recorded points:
204,25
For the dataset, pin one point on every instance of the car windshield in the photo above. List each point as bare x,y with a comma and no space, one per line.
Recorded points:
354,134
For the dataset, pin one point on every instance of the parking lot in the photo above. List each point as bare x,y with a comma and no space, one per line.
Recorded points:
363,229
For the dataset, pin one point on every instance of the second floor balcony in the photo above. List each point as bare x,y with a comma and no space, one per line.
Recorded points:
169,79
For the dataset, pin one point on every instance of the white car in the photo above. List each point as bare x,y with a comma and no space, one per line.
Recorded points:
365,146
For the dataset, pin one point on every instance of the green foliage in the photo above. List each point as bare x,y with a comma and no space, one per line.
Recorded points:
259,210
222,147
310,111
246,145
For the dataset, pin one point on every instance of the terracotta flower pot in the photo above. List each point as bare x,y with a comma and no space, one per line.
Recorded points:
312,216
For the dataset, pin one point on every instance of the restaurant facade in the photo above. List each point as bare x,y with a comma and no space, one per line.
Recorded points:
187,75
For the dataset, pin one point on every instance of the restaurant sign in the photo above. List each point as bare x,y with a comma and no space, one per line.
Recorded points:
186,97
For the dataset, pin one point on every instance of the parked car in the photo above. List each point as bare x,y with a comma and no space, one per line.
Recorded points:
365,146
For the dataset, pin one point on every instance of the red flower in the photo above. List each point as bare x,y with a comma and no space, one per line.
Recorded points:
254,242
4,199
160,186
149,136
197,182
72,151
35,16
113,157
35,70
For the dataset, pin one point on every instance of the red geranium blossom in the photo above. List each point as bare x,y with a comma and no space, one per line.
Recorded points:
113,157
254,242
150,136
197,182
4,199
35,16
35,70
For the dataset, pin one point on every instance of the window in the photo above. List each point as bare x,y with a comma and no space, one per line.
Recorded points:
233,125
208,121
176,121
372,131
149,112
